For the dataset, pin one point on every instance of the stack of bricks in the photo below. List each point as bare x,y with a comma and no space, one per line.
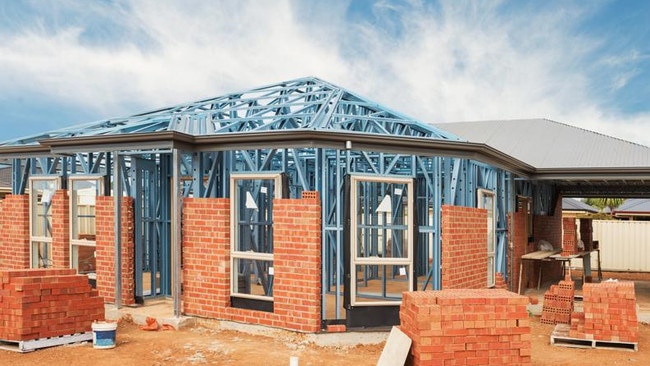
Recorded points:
44,303
558,303
609,313
500,282
466,327
569,237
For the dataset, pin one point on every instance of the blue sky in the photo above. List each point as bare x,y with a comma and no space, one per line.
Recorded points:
584,63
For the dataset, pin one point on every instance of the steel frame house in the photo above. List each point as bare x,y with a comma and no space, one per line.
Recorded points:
382,177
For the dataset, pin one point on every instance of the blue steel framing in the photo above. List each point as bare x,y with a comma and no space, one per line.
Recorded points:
307,104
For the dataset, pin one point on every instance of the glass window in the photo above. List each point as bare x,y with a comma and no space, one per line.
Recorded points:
486,201
251,202
382,239
41,192
83,193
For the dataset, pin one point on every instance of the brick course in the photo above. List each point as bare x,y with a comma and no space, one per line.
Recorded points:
297,261
464,247
60,229
105,250
14,232
466,327
519,237
41,303
549,228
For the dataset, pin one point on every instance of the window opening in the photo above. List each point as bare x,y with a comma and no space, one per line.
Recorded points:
486,200
41,192
252,235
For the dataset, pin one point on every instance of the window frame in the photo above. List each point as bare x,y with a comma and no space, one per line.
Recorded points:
491,240
235,254
40,239
73,215
356,259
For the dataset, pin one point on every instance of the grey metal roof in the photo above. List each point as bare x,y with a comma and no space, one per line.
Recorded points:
633,206
547,144
570,204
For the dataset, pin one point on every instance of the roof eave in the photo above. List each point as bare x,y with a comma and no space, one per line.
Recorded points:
592,173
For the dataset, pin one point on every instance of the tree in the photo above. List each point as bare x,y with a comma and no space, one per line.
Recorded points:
603,203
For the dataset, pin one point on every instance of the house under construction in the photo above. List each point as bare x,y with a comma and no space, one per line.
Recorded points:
299,204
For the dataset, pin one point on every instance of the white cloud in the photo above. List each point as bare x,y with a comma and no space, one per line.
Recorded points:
461,61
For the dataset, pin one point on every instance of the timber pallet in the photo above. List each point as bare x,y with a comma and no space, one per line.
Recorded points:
34,344
560,337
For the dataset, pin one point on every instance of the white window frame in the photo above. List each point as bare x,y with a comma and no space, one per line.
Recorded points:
33,239
491,233
355,259
73,210
234,232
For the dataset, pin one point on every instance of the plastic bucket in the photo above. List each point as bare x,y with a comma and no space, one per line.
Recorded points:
104,334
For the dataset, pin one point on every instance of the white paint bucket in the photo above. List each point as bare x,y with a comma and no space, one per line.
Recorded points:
104,334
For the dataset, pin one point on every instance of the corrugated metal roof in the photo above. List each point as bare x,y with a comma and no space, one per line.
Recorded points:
544,144
634,205
571,204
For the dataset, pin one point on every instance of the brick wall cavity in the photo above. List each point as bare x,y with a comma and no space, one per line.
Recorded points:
14,232
297,260
464,247
105,250
466,327
41,303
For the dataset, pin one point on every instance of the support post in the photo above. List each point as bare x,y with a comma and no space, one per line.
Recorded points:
176,231
117,197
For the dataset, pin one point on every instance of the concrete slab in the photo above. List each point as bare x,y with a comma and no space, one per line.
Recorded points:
396,349
161,310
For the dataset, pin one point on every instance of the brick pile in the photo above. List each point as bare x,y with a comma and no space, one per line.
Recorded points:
500,282
466,327
609,313
569,237
558,303
43,303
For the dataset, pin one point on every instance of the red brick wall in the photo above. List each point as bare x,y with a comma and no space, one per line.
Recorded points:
61,229
14,232
41,303
547,228
464,247
466,327
297,243
569,236
519,239
297,275
206,258
105,229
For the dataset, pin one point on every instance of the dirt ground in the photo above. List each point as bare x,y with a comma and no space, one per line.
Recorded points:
209,344
204,345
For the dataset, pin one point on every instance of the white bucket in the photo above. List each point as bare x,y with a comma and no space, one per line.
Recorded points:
104,334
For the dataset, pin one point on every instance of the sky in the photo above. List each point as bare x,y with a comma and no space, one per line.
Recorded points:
583,63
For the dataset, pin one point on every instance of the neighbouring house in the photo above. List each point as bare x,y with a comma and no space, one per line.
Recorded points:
299,204
634,209
574,208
